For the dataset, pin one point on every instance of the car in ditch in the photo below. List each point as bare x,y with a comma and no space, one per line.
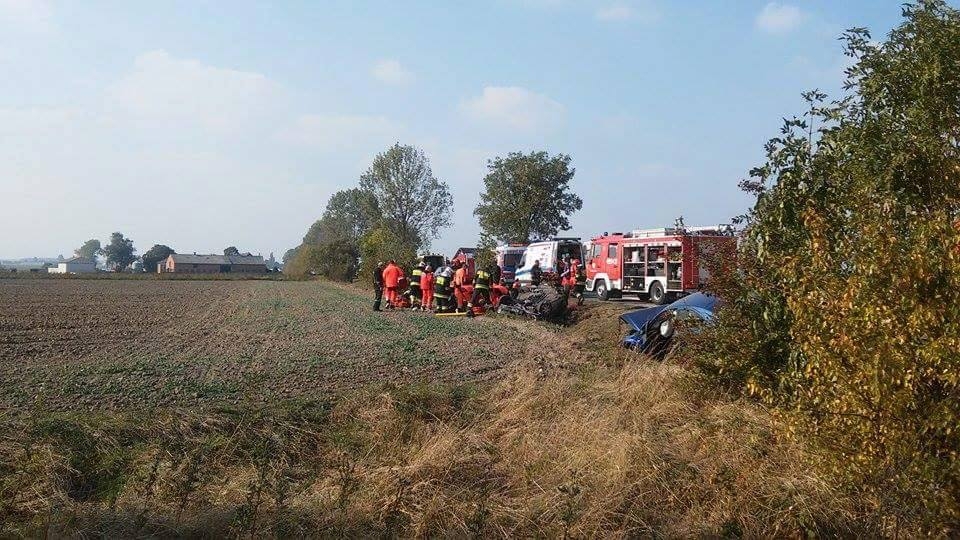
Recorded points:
654,330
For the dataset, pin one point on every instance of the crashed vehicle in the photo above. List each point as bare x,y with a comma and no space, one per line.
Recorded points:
652,330
540,302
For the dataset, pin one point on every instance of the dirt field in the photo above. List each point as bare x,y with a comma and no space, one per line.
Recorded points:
73,344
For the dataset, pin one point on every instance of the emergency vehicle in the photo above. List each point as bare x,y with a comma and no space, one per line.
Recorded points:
467,257
508,258
548,252
655,264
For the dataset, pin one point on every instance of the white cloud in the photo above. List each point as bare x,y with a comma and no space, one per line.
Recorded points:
515,108
391,72
777,18
165,89
336,132
28,15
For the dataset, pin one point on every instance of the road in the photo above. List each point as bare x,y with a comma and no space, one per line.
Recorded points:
628,302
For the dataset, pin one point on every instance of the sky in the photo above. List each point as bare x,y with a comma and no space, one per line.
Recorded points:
204,124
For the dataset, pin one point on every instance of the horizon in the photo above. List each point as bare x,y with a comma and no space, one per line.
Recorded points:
177,124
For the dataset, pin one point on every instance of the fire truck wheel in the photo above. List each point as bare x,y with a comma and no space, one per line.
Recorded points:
657,295
600,287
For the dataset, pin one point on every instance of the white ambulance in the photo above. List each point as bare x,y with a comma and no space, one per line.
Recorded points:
548,252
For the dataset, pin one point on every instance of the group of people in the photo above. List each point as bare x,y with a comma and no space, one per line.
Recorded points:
445,289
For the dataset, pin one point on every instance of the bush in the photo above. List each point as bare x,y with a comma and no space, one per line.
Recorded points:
846,309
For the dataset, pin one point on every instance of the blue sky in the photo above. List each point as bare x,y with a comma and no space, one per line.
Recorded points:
202,124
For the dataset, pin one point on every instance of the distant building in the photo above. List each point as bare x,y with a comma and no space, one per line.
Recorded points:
182,263
75,265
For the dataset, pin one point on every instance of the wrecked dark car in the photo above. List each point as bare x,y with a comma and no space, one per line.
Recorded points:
652,330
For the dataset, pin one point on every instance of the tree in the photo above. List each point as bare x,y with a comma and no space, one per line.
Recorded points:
331,246
845,309
89,250
232,250
154,255
413,203
119,252
527,197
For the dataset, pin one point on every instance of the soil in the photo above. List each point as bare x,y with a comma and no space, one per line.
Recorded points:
71,344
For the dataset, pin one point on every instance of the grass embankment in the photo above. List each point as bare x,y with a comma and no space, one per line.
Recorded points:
578,440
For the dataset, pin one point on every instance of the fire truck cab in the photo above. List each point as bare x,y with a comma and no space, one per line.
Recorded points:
655,264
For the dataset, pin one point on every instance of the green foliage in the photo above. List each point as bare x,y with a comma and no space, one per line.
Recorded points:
89,250
384,244
485,254
331,246
846,309
527,197
154,255
413,203
119,252
232,250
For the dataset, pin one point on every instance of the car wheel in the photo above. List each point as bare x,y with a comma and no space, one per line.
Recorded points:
600,287
657,296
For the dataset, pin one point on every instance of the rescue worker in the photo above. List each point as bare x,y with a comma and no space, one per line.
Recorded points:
566,275
481,288
415,278
579,281
496,273
391,280
459,280
426,288
536,274
378,286
442,287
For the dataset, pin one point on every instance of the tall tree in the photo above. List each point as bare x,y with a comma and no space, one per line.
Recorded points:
414,204
232,250
527,197
154,255
119,252
89,250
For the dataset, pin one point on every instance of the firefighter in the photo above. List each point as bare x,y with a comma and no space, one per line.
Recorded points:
426,288
496,273
536,274
391,280
415,278
459,280
442,287
481,288
378,286
567,273
579,281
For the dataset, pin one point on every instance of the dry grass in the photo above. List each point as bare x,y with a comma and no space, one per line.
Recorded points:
583,441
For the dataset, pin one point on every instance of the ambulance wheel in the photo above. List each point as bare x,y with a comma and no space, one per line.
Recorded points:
657,296
600,287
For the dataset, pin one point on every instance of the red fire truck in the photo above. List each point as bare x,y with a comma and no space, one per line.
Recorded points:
655,264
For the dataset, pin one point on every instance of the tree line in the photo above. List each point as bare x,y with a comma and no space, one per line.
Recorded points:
399,207
119,253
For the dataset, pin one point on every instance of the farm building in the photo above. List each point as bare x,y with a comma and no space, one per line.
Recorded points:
75,265
182,263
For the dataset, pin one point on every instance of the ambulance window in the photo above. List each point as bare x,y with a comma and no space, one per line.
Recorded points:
612,251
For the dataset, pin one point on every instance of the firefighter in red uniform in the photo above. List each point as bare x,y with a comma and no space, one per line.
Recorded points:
426,288
391,280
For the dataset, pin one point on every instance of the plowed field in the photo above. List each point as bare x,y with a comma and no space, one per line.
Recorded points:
75,344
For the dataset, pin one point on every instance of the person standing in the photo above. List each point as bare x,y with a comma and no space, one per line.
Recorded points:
567,272
378,286
391,280
416,277
481,288
459,280
536,274
426,288
442,287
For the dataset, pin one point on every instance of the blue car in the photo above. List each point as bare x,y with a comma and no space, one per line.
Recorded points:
652,329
